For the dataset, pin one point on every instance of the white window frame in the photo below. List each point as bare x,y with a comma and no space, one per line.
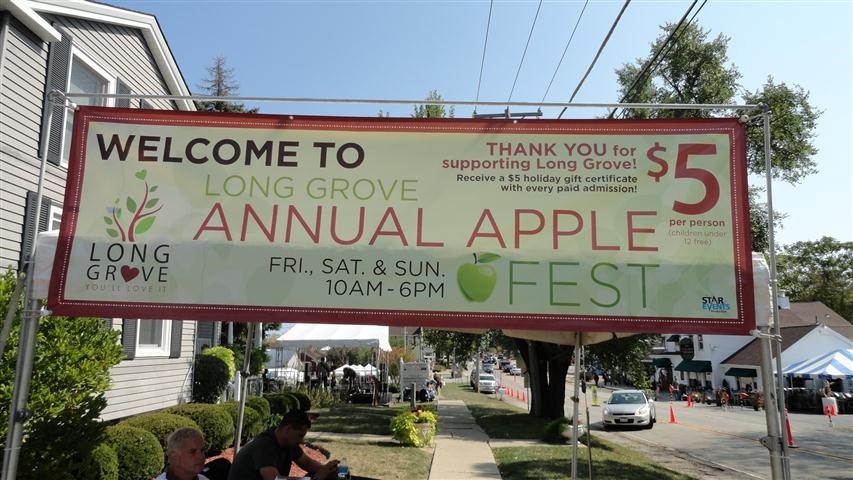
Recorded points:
145,350
110,79
55,213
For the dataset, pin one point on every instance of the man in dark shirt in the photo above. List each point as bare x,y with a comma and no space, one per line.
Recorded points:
270,453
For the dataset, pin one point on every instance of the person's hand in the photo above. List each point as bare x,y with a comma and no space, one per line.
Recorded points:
328,471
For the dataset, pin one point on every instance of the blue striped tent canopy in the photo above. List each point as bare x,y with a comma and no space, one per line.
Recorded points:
833,364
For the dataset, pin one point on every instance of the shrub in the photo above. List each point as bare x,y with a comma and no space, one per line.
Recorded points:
281,403
213,420
260,404
252,422
322,398
138,451
100,464
302,397
226,355
209,379
414,429
257,360
554,429
160,424
70,375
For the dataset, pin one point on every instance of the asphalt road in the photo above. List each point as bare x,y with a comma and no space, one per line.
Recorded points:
730,439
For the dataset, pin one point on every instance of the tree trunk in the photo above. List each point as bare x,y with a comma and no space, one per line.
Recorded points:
547,365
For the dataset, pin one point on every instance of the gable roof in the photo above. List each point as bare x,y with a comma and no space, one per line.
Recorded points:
750,354
29,13
814,313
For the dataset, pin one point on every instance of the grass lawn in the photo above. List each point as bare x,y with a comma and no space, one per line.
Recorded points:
498,419
383,459
609,461
352,418
502,420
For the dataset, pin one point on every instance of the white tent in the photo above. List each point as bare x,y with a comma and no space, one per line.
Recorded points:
319,335
833,364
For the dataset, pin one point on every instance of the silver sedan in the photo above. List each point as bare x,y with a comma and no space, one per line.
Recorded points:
628,407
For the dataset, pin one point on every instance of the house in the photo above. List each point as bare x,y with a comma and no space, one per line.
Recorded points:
808,329
80,46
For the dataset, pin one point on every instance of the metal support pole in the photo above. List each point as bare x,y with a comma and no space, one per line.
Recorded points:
29,324
18,413
773,440
575,400
244,386
777,330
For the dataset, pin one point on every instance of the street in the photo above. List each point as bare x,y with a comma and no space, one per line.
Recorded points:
729,438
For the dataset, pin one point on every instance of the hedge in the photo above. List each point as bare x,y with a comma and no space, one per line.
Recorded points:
160,424
100,464
260,404
213,421
138,452
210,377
281,403
253,424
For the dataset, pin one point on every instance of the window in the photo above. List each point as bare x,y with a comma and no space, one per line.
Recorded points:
54,218
701,342
153,338
84,77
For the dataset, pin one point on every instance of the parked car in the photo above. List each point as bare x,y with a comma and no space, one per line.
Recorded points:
488,383
488,368
515,371
628,407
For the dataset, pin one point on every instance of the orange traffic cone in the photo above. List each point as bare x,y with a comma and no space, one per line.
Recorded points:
518,394
788,431
689,400
672,415
523,396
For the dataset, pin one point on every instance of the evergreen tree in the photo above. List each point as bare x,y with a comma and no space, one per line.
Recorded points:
221,83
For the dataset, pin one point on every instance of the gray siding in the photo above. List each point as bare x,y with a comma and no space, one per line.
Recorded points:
151,383
142,384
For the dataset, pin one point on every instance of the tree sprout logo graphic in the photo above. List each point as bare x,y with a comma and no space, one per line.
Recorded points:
477,280
141,214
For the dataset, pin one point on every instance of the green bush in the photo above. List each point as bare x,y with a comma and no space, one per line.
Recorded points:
213,421
138,451
322,398
304,401
260,404
209,378
226,355
160,424
258,359
100,464
70,375
554,429
414,429
253,424
281,403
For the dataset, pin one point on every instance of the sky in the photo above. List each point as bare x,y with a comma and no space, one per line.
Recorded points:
401,50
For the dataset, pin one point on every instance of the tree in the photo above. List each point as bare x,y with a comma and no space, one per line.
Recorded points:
70,375
452,346
695,71
221,83
433,111
547,365
819,271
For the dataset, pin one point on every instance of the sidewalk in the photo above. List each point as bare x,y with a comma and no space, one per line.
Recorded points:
462,449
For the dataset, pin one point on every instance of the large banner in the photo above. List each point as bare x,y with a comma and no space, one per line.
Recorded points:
593,225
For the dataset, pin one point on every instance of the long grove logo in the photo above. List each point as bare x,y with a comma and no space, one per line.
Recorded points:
127,259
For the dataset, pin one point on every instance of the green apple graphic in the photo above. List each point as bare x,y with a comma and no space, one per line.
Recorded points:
477,280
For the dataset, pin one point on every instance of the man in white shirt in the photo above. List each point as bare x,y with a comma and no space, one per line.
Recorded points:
184,455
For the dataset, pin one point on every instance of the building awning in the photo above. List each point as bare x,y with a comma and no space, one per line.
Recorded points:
662,362
698,366
673,338
742,372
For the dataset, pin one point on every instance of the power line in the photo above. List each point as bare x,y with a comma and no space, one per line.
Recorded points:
483,60
529,36
600,49
650,66
564,51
